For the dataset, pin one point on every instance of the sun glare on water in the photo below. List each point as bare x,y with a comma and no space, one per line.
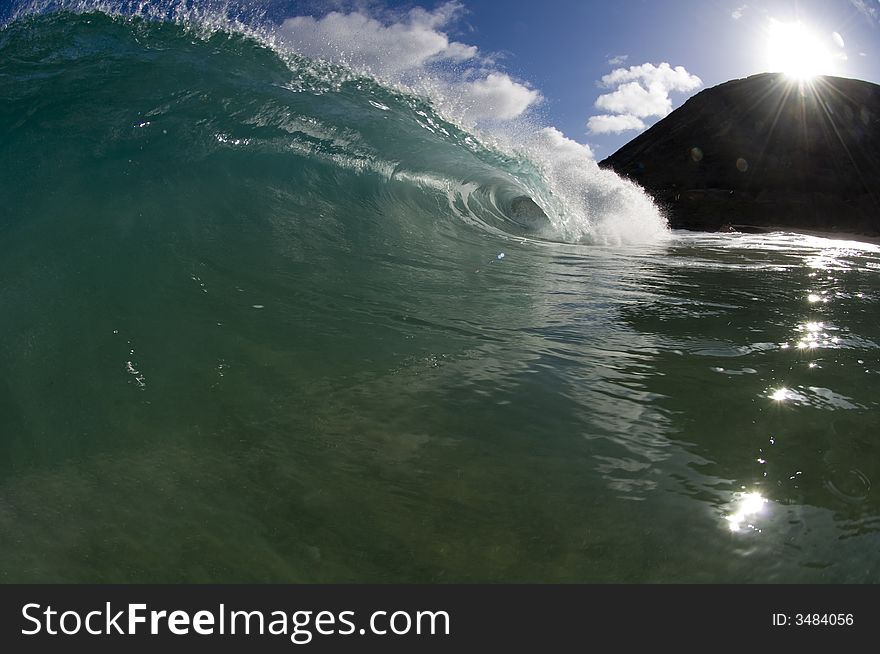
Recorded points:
793,49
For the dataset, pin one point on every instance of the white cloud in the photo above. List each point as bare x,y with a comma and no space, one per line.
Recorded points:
737,13
460,52
551,139
870,9
608,124
412,48
364,42
639,92
644,90
838,39
675,79
498,96
632,98
617,60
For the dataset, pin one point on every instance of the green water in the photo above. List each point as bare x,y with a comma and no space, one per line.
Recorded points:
567,414
251,332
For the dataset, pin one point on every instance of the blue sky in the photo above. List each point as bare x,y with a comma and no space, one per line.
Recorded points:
562,49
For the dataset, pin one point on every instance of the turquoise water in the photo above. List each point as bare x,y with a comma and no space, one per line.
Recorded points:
256,325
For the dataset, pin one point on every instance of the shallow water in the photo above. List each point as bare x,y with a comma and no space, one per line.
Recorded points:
224,357
567,413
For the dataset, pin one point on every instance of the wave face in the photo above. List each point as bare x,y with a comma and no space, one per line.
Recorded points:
167,111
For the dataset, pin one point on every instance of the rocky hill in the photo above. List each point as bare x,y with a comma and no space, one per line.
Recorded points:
765,151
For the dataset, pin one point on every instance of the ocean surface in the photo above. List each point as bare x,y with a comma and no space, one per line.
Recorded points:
264,318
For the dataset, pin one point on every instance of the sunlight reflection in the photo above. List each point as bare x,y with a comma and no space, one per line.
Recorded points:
805,344
830,259
780,394
748,506
816,334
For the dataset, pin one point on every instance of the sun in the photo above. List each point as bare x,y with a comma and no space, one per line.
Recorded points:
793,49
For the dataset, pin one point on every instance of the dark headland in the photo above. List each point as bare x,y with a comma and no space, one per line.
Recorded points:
765,152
